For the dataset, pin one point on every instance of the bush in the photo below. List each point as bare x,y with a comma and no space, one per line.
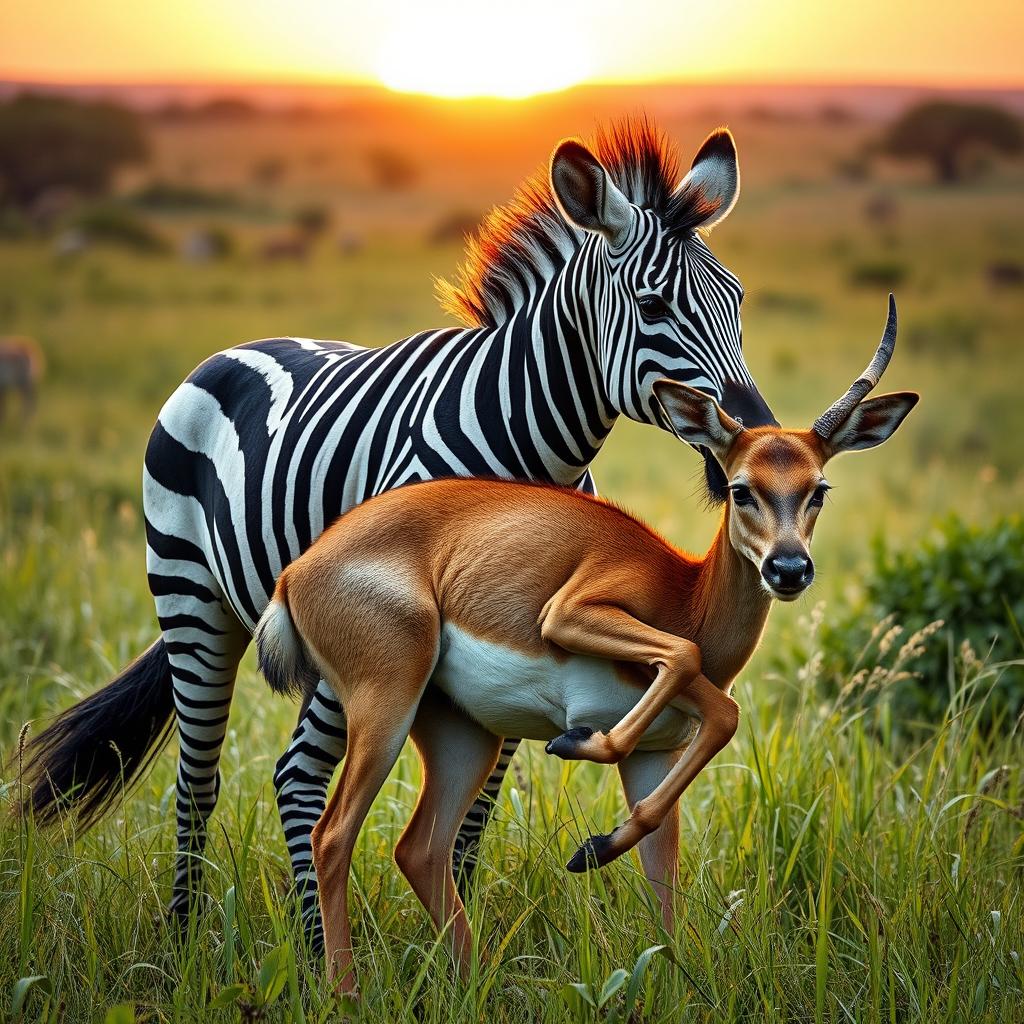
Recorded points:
948,333
312,220
972,580
883,274
116,225
171,197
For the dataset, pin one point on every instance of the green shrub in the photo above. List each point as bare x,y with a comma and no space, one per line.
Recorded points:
173,197
883,274
972,580
949,333
116,225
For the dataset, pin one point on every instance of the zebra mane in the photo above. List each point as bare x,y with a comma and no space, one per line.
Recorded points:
529,238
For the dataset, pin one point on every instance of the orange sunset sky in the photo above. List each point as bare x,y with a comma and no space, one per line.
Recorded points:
457,48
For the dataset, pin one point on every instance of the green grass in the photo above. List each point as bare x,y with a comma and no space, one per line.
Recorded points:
868,880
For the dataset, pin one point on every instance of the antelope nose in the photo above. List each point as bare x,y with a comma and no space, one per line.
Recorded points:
788,574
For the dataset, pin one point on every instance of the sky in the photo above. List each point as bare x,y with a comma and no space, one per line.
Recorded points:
513,47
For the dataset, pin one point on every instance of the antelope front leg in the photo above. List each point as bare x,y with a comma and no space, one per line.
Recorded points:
641,773
719,717
606,631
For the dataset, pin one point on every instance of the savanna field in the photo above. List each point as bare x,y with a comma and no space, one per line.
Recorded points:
845,859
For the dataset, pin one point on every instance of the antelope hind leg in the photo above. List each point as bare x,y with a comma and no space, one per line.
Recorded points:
719,718
457,756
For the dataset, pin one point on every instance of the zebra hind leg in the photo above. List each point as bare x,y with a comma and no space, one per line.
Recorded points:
205,643
301,779
466,853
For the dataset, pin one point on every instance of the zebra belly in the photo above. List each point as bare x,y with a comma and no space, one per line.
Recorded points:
539,697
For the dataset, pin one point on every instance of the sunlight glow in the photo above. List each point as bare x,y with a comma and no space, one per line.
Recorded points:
483,50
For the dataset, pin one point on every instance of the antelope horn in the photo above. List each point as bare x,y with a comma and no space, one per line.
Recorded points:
836,414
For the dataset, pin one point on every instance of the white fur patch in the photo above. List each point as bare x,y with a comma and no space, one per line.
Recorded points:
538,698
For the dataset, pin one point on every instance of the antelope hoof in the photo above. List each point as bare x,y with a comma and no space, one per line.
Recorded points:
594,853
582,744
567,746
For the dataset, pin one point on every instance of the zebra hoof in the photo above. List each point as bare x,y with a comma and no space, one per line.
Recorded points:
174,920
594,853
567,745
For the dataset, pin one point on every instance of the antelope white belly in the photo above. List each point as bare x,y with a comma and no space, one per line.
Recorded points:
538,698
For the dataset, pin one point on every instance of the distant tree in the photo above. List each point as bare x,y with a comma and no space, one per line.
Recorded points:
944,132
226,108
52,142
392,170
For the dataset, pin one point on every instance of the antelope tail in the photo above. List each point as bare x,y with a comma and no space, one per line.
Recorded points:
282,656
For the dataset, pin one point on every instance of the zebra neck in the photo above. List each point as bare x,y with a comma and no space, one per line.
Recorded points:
550,391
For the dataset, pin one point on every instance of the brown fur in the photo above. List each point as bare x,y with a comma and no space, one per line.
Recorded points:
368,598
547,571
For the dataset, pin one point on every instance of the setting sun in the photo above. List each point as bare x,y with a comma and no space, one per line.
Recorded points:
440,53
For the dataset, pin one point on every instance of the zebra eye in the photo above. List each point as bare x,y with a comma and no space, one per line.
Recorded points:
818,497
653,307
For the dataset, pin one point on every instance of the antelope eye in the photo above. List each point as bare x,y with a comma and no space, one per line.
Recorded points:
818,498
653,307
742,496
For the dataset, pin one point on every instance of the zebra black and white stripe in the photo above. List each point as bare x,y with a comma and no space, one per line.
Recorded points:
581,294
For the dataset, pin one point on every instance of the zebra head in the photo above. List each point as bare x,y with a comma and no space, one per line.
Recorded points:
657,303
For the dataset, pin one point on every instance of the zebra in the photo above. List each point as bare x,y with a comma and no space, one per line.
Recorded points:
590,285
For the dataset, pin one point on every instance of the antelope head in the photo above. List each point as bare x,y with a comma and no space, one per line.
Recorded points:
776,477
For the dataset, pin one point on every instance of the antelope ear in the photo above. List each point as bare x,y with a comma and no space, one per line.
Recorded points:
716,173
697,418
872,421
586,194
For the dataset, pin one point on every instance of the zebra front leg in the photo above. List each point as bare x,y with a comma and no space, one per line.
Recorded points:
204,646
301,779
465,855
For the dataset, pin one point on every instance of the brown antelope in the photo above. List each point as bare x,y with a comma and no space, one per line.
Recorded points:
21,366
541,612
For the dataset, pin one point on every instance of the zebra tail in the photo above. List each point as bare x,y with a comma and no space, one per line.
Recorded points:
281,654
96,749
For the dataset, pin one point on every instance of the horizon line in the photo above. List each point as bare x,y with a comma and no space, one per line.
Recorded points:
806,81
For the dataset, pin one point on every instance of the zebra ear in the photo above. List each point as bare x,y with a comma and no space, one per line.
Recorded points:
586,194
716,172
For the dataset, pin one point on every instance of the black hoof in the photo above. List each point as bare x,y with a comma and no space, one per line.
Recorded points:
176,919
564,746
594,853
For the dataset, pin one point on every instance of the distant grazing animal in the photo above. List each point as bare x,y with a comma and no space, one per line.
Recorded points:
285,248
406,606
590,286
1005,274
21,367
